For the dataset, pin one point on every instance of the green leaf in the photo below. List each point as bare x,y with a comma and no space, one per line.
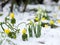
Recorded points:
24,37
12,35
13,21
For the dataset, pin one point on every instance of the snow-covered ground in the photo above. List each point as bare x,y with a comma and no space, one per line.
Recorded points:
48,36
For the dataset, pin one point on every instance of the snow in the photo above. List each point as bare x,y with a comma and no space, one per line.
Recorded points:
48,36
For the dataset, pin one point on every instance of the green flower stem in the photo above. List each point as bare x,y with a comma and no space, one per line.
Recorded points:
9,26
34,30
5,24
2,27
30,31
38,31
